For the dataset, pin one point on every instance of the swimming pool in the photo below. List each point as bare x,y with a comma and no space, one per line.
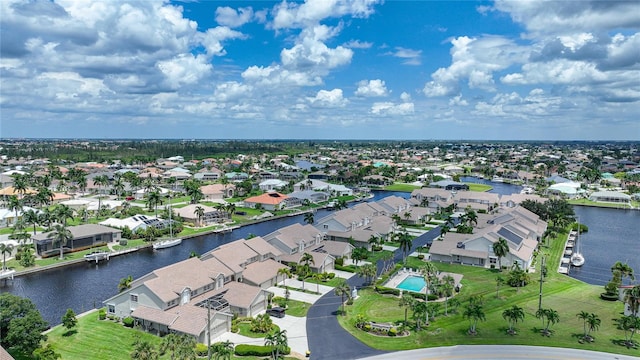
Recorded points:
412,283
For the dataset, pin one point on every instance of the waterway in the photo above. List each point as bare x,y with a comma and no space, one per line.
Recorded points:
82,287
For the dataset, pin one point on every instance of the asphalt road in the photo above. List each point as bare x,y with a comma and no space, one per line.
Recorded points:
326,338
492,352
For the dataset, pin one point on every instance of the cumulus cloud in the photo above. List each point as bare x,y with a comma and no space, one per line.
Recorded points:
292,15
233,18
357,44
184,69
329,99
406,107
372,88
475,60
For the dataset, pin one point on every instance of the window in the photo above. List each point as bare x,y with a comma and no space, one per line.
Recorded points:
111,309
134,298
493,260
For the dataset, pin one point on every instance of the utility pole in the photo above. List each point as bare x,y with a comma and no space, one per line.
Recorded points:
541,280
208,330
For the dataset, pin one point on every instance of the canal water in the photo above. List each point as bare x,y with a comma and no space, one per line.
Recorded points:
83,287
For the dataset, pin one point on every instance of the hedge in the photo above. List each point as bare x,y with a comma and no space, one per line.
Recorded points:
386,290
202,349
257,350
128,321
349,268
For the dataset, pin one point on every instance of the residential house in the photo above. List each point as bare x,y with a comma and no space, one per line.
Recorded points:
521,228
136,223
268,201
272,184
310,195
83,237
215,192
478,201
210,216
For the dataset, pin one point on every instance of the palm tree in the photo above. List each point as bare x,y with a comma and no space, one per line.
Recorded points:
630,324
406,301
594,323
100,180
583,315
622,270
419,312
428,270
14,204
31,217
368,271
406,241
632,298
305,260
144,350
286,273
180,346
472,217
278,342
4,250
61,235
444,229
62,212
549,317
308,218
222,350
500,249
118,185
341,290
154,199
199,212
513,315
125,283
474,313
407,216
447,288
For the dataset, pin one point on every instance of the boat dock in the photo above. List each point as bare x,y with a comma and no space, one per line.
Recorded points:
565,260
7,274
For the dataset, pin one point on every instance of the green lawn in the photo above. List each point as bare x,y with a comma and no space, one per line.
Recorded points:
401,187
130,244
102,339
562,293
479,187
588,202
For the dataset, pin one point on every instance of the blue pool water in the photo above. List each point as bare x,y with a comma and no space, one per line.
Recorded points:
412,283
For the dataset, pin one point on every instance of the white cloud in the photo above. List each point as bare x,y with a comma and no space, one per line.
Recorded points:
232,90
330,99
475,60
233,18
184,69
458,101
292,15
372,88
389,108
212,39
410,56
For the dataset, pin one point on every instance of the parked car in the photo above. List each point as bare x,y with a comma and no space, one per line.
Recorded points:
276,312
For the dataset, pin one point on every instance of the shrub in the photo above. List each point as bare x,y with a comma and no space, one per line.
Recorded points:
393,332
102,314
417,295
421,256
609,297
331,275
123,242
350,301
386,290
202,349
256,350
128,321
433,297
367,327
340,261
349,268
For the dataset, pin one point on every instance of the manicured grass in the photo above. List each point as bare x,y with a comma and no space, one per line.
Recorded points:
588,202
297,308
101,339
479,187
14,264
130,244
374,256
561,293
401,187
245,330
333,282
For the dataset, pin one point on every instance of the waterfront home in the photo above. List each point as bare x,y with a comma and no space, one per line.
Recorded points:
319,185
475,200
269,201
434,198
611,197
230,279
310,195
357,224
449,185
210,216
136,223
9,217
296,238
514,200
521,228
83,237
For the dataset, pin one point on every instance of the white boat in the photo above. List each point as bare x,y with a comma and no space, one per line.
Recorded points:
97,256
497,179
163,244
527,191
577,259
166,243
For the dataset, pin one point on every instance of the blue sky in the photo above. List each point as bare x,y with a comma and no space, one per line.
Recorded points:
320,69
